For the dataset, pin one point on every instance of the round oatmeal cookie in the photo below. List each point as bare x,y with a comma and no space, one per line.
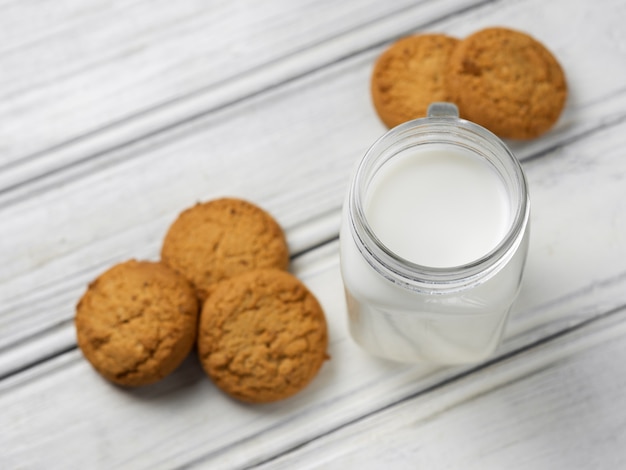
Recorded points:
216,240
262,336
507,82
137,322
409,76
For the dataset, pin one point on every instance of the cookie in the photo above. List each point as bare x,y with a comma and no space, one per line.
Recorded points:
262,336
409,76
507,82
137,322
216,240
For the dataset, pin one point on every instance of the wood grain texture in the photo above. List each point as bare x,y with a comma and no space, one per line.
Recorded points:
98,87
536,410
223,434
111,208
227,168
116,121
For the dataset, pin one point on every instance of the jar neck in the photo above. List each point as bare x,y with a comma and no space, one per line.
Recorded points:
442,127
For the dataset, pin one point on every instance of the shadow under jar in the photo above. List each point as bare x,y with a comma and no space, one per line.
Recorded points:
433,241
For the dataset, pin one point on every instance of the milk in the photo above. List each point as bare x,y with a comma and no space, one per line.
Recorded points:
438,206
434,246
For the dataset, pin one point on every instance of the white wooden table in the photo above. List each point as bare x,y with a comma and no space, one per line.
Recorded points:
117,115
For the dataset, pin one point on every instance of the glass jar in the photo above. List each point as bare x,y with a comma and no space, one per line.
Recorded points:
408,312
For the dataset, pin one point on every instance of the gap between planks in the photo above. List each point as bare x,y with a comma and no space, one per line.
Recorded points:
162,118
309,241
29,350
511,363
453,391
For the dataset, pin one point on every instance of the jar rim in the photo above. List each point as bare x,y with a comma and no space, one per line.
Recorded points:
415,276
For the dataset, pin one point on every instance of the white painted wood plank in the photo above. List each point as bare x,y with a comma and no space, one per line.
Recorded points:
83,225
199,425
184,419
295,160
123,69
178,420
558,405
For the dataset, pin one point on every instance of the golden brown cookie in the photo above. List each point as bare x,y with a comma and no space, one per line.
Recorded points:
262,336
219,239
137,322
409,76
507,82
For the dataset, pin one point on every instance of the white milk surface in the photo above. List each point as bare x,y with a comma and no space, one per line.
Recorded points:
438,207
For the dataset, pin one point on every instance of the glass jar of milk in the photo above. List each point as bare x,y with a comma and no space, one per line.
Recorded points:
433,241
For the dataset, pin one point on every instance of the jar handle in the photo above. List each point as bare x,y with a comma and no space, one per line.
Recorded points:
442,109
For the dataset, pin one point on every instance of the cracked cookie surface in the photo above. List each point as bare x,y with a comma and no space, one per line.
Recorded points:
507,82
219,239
137,322
262,336
409,76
